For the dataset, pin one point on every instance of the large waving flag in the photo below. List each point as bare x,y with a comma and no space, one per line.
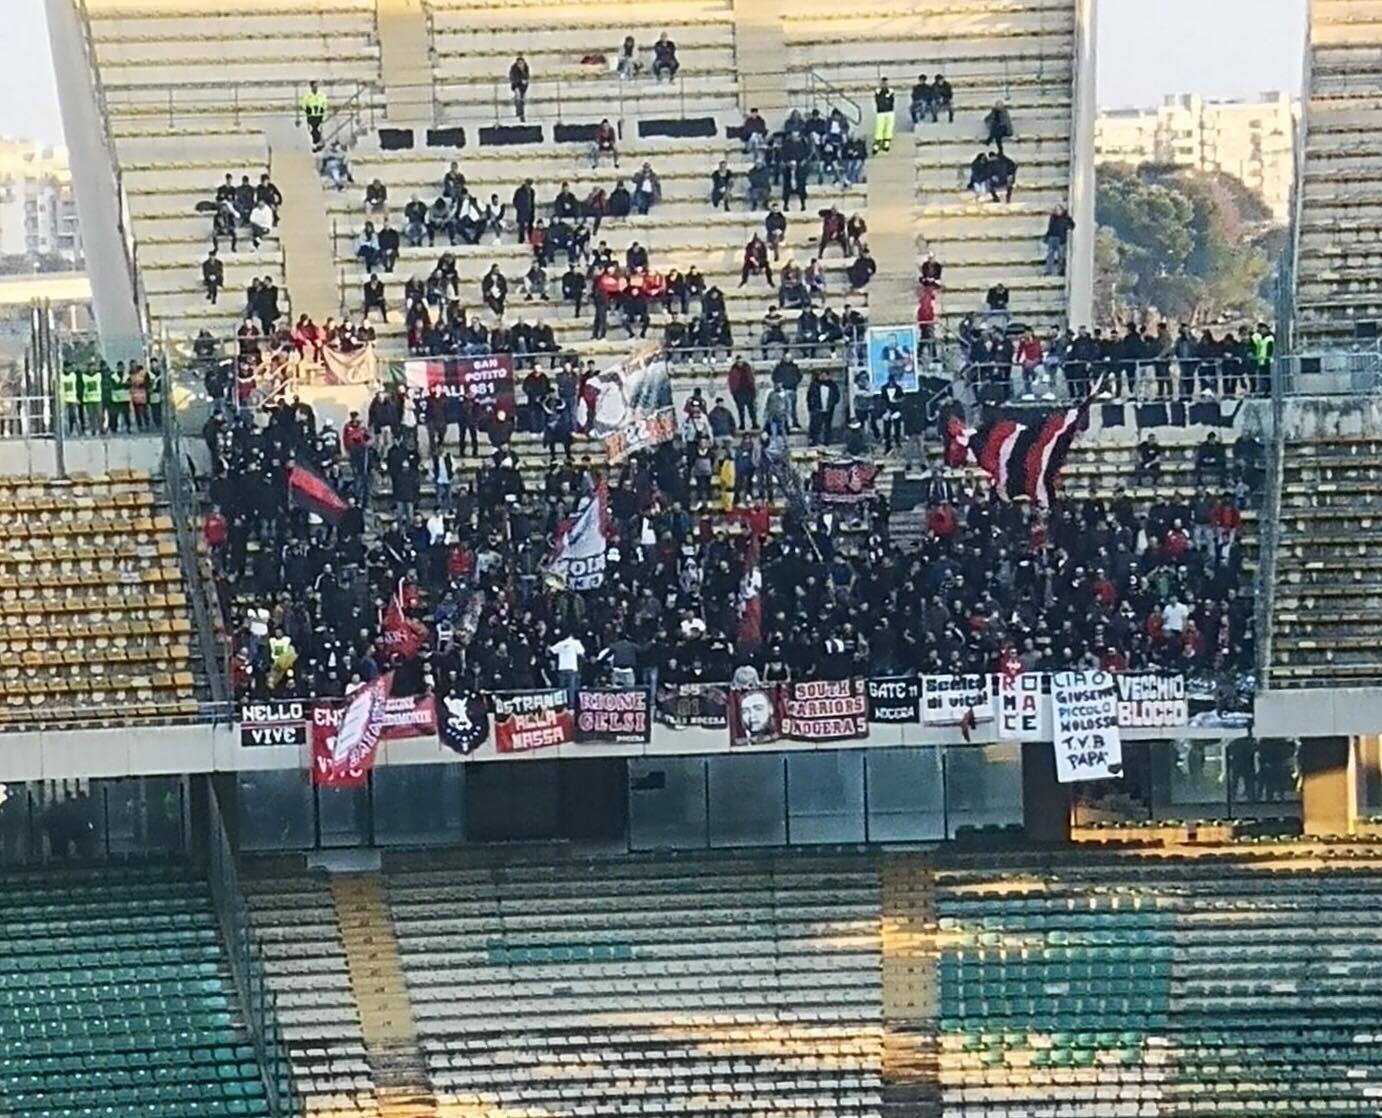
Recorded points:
343,754
1023,459
307,489
400,636
578,552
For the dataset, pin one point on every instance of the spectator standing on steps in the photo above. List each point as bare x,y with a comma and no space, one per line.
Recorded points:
884,118
213,275
518,85
524,208
314,112
999,123
1059,226
721,182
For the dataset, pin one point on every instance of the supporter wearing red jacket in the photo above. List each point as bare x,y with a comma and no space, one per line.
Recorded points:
940,521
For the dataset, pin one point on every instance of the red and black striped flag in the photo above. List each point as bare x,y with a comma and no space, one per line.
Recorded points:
307,489
1023,459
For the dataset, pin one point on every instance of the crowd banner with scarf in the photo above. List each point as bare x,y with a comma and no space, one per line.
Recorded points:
894,699
308,490
345,738
525,721
844,481
488,381
578,551
1150,701
463,722
1023,459
629,406
702,706
356,366
955,700
1023,711
755,715
614,714
1084,707
825,710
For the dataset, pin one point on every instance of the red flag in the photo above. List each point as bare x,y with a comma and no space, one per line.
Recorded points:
344,739
967,723
751,598
308,490
400,637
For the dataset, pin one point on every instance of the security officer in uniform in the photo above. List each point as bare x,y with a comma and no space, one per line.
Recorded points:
1263,351
71,400
119,399
883,117
314,109
91,398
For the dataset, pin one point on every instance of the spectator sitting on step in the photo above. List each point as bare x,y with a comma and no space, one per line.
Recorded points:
754,131
1210,461
856,228
223,224
1002,177
998,124
861,269
665,58
775,228
773,333
721,184
595,207
620,202
494,289
367,248
268,194
979,174
923,100
566,206
441,218
832,231
755,261
226,191
636,257
535,282
453,182
931,270
943,97
334,168
647,189
605,143
814,278
374,297
760,185
996,302
628,65
492,218
376,197
1148,469
244,199
415,221
855,152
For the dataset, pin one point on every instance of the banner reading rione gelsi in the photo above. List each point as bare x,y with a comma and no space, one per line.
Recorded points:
948,700
826,710
1023,712
1084,707
895,699
529,720
1151,701
614,714
702,705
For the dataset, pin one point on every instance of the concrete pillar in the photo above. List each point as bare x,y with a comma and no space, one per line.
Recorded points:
95,181
1328,800
1045,801
1083,108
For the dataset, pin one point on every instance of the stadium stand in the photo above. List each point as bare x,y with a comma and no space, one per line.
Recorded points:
1327,622
1336,268
114,998
96,621
1228,983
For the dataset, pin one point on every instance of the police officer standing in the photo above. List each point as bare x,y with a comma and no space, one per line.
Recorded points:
314,110
71,400
883,117
91,398
119,399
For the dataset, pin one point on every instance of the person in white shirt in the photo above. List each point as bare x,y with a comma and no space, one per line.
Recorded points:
261,222
569,652
1173,616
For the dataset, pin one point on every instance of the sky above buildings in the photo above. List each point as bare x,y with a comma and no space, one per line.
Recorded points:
1147,49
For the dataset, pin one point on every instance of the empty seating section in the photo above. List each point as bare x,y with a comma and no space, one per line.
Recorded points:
94,618
1019,52
1337,277
712,985
306,967
170,68
114,1003
1328,616
1237,983
474,42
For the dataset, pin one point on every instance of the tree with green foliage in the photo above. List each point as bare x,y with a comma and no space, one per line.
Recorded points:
1191,245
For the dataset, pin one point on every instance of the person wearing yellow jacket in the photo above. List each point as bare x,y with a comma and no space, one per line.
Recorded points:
313,107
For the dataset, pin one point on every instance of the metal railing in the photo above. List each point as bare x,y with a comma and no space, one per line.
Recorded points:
249,974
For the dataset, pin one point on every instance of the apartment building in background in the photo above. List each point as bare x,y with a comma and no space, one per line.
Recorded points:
1251,140
38,212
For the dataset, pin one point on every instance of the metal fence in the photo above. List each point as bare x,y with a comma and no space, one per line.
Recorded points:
247,968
